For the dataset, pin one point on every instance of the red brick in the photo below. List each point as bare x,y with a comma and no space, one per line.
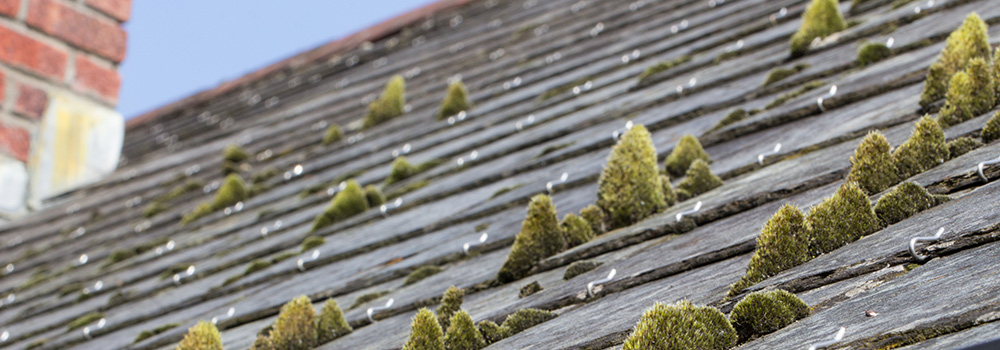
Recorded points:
81,30
91,77
3,90
31,101
15,141
9,7
119,9
19,50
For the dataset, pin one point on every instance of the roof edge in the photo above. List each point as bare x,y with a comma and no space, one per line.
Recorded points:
370,34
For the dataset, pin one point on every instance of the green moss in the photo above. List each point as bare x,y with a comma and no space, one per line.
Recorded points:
347,203
264,175
681,326
820,19
389,105
761,313
902,202
36,344
662,66
257,265
374,196
552,148
688,150
120,255
455,101
425,332
561,89
991,131
595,217
491,331
579,267
524,319
364,298
873,52
331,323
529,289
576,229
235,154
504,190
699,179
451,302
201,336
410,187
965,43
924,149
779,74
669,195
971,93
841,219
295,328
322,186
154,209
146,334
996,72
783,243
312,242
421,273
872,165
781,99
401,169
540,237
84,320
962,145
333,134
70,289
629,187
735,116
482,227
462,334
233,190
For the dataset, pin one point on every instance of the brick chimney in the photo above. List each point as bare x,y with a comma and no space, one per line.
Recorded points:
58,88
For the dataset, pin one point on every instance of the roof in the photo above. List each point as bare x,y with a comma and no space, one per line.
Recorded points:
552,84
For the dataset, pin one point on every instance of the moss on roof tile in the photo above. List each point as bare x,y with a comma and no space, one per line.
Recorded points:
333,134
389,105
295,328
760,313
698,179
688,150
456,100
872,165
971,92
873,52
524,319
962,145
451,302
331,323
425,332
579,267
348,202
783,243
629,188
540,237
991,131
820,19
681,325
576,229
965,43
924,149
201,336
902,202
462,334
841,219
421,273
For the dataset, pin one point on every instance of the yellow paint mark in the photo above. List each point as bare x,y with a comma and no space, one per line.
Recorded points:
70,149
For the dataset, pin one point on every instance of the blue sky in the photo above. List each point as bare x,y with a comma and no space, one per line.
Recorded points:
179,47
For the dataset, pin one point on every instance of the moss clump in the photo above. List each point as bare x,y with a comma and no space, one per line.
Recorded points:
688,150
401,169
257,265
202,336
761,313
421,273
841,219
333,134
681,326
579,267
873,52
349,202
540,237
735,116
235,154
389,105
312,242
699,179
529,289
595,217
462,333
331,323
576,229
146,334
455,101
924,149
491,331
374,196
781,99
991,131
154,209
425,332
524,319
820,19
662,66
669,195
295,328
779,74
902,202
783,243
962,145
970,93
629,187
233,190
872,165
965,43
84,320
451,302
364,298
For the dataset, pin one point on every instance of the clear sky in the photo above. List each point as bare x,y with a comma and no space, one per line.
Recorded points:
179,47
